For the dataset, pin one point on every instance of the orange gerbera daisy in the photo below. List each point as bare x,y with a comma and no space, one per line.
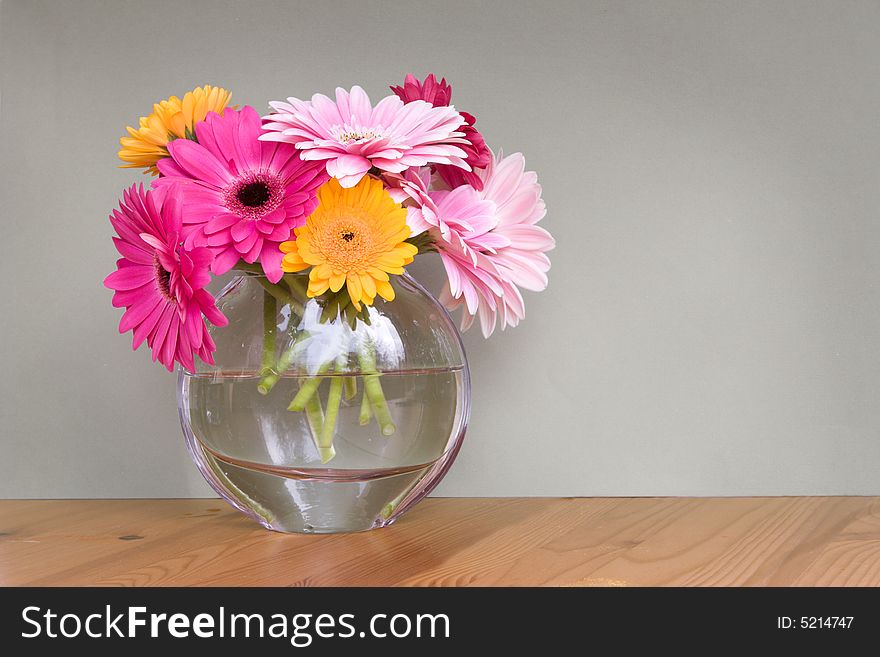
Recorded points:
172,118
355,238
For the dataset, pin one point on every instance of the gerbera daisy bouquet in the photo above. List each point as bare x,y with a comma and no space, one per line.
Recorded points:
327,199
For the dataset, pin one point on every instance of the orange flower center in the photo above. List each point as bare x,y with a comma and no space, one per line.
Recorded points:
345,243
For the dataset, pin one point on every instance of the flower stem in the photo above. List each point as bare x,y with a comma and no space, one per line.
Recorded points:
269,380
270,311
334,398
298,284
373,390
388,509
308,388
306,391
297,289
351,387
366,412
280,294
253,268
315,418
247,500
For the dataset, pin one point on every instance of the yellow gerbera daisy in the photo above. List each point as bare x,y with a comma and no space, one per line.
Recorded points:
171,119
355,237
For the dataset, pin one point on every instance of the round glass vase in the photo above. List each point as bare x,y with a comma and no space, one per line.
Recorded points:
319,418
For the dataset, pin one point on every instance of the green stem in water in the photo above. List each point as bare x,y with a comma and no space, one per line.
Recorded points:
308,388
334,398
269,380
389,508
373,390
270,311
250,502
351,387
366,412
315,418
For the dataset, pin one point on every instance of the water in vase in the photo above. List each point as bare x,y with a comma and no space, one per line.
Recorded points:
267,459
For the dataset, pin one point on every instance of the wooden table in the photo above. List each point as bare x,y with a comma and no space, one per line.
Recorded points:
452,542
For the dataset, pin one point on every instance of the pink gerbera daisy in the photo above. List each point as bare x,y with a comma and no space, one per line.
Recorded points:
465,244
353,136
243,196
411,188
159,282
487,240
477,153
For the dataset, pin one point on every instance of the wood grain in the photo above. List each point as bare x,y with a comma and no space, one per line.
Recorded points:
452,542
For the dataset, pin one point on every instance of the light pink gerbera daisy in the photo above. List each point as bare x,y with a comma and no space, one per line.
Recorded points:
353,136
477,153
243,196
487,240
159,282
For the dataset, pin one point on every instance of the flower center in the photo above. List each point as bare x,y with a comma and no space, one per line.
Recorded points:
163,280
349,134
345,242
254,194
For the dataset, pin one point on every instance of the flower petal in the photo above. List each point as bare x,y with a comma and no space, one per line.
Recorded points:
199,163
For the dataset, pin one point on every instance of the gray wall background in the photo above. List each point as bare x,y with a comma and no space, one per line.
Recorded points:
711,173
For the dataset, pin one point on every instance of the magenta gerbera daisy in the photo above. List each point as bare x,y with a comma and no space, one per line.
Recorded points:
159,282
429,90
243,196
477,153
353,136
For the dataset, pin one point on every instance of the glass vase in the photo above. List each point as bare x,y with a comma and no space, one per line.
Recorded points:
318,417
